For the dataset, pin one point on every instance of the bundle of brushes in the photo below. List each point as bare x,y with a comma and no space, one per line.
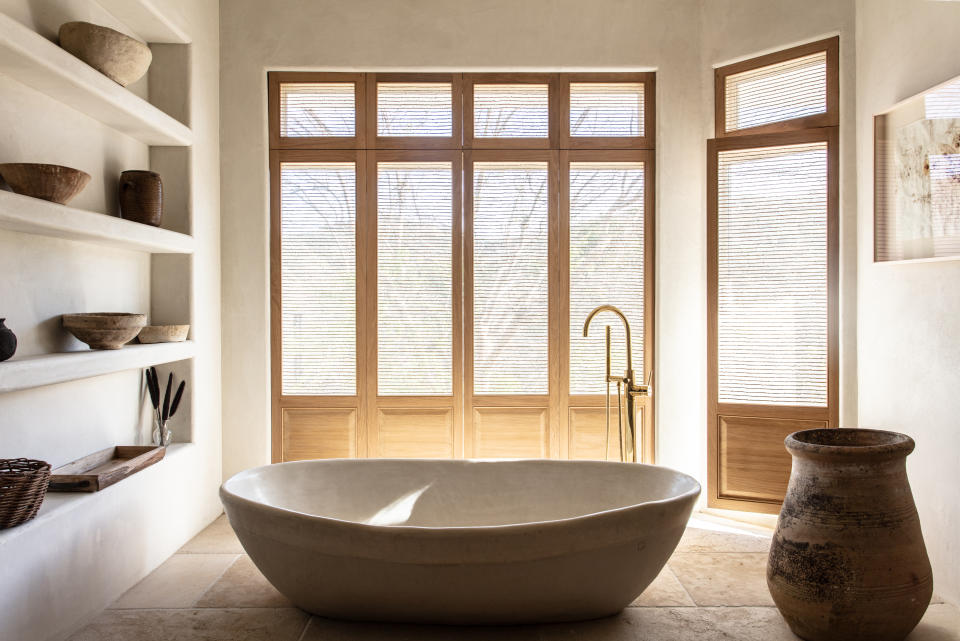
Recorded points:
163,411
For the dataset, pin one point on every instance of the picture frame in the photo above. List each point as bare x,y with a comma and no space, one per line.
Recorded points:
917,177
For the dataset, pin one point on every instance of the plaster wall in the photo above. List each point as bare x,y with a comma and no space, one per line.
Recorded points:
909,313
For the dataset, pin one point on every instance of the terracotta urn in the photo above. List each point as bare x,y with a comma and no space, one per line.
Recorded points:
848,562
141,197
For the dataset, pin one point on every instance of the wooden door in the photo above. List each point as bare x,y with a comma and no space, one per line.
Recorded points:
511,365
773,265
414,358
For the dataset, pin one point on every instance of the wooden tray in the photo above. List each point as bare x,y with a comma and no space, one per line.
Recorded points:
102,469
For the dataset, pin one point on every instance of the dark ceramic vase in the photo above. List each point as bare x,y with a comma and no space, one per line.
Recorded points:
848,562
8,341
141,197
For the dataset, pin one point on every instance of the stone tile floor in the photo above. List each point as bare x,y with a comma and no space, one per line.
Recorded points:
713,588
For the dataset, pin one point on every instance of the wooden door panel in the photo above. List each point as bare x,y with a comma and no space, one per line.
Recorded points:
319,433
588,426
414,433
753,462
511,432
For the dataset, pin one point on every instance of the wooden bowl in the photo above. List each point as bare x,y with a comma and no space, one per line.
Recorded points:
55,183
104,330
116,55
164,333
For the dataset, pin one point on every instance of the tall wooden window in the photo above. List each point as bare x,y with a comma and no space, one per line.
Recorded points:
437,241
773,262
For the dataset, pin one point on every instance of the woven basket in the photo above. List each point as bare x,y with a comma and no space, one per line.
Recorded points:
23,484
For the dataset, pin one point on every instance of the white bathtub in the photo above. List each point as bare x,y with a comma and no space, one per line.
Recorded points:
460,542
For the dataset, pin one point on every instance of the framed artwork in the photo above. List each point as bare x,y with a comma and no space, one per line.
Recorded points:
917,177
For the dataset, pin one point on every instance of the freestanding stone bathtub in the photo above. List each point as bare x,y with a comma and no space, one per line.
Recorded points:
460,542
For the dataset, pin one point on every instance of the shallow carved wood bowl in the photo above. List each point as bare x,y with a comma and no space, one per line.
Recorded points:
104,330
116,55
164,333
55,183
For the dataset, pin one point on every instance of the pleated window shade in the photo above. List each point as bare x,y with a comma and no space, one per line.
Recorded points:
608,109
317,109
772,275
318,278
774,93
510,279
943,103
414,278
511,110
606,266
414,109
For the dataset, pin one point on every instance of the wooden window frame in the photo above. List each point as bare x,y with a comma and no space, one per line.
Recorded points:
357,141
827,416
649,81
551,141
454,141
366,150
830,118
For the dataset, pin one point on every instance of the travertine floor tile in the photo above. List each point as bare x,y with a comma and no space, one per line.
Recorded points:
243,586
665,590
940,623
221,596
321,629
704,540
178,583
249,624
676,624
723,578
217,538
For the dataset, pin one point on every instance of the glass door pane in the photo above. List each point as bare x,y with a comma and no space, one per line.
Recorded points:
414,278
510,277
318,278
772,275
606,267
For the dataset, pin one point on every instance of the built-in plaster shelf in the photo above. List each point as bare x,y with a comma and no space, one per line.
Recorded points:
47,369
59,505
34,216
147,20
33,60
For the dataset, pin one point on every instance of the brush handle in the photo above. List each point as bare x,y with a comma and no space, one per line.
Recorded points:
176,399
166,398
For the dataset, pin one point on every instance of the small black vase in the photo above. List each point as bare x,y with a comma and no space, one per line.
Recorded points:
8,341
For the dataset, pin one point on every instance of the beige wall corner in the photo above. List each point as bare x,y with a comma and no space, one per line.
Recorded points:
909,314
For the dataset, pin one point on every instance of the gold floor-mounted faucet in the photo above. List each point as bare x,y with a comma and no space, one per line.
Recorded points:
630,390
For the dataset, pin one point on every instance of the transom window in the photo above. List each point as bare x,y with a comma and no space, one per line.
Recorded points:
437,241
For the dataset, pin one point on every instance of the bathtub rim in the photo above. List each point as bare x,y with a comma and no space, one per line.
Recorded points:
692,493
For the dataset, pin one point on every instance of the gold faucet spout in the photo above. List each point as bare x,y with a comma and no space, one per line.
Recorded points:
626,327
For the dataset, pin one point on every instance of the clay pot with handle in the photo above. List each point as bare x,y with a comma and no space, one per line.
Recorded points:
848,562
141,197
